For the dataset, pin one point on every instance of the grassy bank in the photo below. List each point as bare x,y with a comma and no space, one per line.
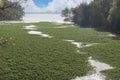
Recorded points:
32,57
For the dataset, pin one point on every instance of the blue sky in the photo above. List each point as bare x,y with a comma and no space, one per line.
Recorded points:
41,3
51,5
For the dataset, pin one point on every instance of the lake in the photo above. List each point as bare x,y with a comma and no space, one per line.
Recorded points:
43,17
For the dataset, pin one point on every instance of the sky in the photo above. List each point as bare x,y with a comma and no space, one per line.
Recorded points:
50,5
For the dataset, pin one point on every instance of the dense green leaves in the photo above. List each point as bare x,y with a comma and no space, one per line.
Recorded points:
85,15
32,57
114,17
99,14
80,15
108,53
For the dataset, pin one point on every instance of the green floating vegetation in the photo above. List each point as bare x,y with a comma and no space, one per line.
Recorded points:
37,58
108,53
33,57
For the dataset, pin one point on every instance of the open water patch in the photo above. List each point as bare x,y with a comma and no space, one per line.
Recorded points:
79,44
62,27
39,33
98,67
31,27
32,30
111,35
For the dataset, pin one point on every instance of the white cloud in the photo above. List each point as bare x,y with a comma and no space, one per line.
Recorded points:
54,6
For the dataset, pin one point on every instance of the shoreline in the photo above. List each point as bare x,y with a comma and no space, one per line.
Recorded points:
35,18
61,22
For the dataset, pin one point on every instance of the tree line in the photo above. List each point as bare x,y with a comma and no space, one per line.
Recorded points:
100,14
11,9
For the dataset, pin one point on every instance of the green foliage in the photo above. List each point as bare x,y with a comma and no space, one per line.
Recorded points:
97,17
113,74
80,15
14,12
99,14
4,5
108,53
89,35
93,14
114,17
37,58
67,13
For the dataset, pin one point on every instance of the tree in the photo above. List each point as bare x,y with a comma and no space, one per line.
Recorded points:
67,13
96,13
81,16
4,5
114,16
93,14
11,10
99,13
